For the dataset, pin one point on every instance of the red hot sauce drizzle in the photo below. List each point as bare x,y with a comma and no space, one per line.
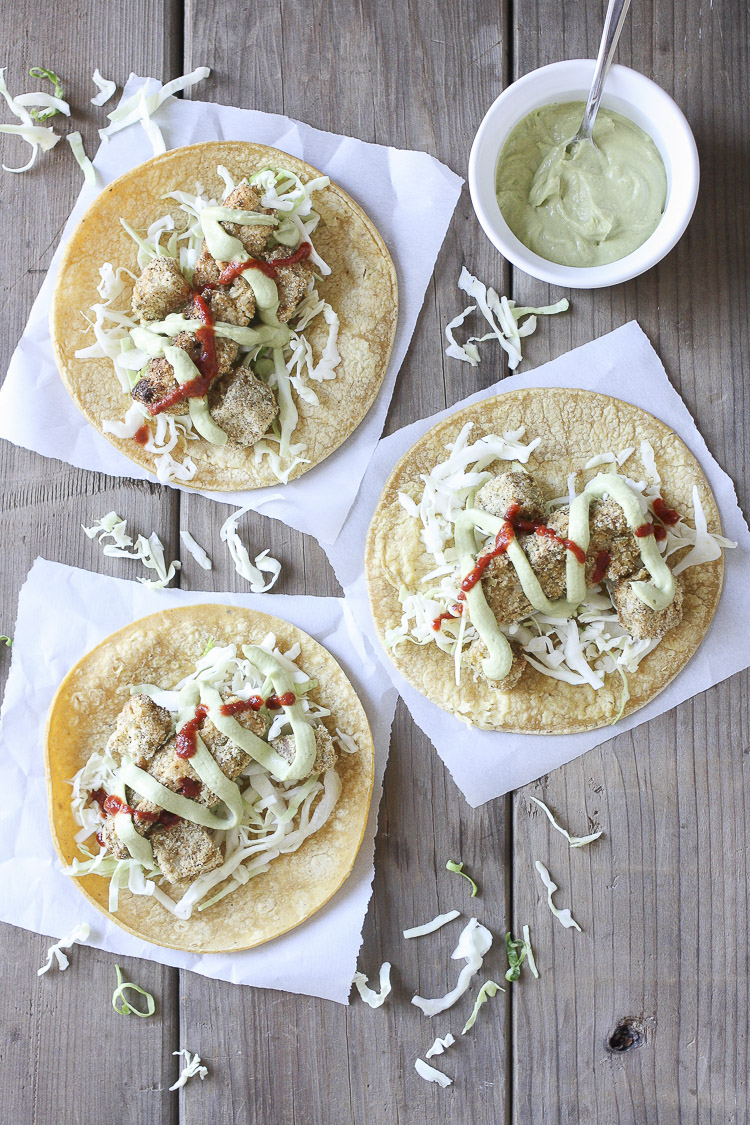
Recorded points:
141,435
254,703
548,533
602,561
275,702
669,516
206,362
189,787
234,269
186,737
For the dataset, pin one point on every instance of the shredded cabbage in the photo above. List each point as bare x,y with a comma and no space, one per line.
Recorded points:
564,917
374,999
707,547
141,107
190,1069
241,559
41,138
75,140
440,1045
573,841
196,550
503,317
122,1006
458,868
79,933
51,104
488,989
515,948
435,924
106,88
7,641
430,1074
149,551
529,952
473,945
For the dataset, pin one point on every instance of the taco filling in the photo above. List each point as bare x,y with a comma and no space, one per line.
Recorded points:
203,784
212,347
576,586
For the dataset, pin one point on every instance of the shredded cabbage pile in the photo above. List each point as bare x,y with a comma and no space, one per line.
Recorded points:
290,369
277,817
503,317
149,551
579,650
473,945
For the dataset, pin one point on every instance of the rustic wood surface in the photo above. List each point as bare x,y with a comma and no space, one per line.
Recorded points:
662,898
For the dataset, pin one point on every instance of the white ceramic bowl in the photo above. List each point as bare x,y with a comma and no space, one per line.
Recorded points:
626,92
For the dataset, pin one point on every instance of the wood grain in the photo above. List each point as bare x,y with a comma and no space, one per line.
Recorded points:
53,1027
662,898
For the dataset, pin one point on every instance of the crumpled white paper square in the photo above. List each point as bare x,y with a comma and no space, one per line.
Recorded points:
62,613
487,764
410,196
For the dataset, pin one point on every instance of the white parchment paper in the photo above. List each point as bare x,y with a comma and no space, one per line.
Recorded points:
62,613
487,764
410,197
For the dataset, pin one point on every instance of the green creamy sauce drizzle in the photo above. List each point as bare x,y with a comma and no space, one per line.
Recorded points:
657,594
588,207
184,372
225,247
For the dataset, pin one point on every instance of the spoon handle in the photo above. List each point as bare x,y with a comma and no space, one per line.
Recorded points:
613,21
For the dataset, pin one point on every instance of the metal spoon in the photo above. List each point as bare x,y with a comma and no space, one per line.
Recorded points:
613,21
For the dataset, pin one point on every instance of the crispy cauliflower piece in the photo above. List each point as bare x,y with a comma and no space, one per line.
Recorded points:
499,495
161,289
634,615
243,405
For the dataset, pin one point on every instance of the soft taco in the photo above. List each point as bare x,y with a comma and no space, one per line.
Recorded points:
544,561
209,771
224,315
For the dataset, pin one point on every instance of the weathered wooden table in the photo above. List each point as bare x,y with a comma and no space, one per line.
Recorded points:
662,898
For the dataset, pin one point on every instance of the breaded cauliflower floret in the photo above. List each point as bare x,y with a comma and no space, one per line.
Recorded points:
161,289
634,615
325,755
243,405
247,198
499,495
477,652
502,590
184,851
142,727
292,282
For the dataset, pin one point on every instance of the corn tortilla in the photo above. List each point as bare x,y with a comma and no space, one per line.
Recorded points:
362,289
574,426
161,649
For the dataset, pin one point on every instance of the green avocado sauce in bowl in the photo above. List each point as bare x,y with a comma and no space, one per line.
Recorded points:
589,206
599,214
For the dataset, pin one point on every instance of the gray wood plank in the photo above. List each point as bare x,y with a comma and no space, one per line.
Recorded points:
404,75
52,1028
662,898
